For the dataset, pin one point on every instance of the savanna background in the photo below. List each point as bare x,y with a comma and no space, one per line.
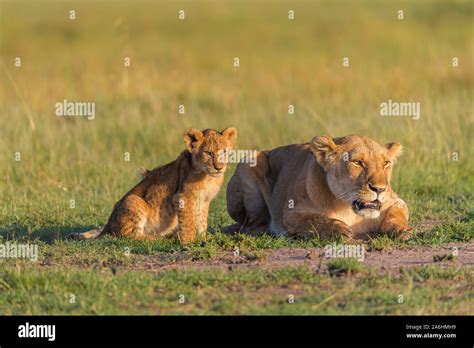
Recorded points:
190,62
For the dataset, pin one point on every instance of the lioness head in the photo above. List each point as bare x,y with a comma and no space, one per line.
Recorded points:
207,147
358,170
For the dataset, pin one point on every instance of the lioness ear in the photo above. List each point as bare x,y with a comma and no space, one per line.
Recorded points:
193,138
323,148
231,134
394,149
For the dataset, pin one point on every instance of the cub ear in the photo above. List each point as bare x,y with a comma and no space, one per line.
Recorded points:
231,134
394,150
324,149
193,138
144,172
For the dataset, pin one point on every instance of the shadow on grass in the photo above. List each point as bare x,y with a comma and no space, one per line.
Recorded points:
47,234
448,232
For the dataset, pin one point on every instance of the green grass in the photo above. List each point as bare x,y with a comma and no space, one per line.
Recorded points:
45,291
342,266
190,62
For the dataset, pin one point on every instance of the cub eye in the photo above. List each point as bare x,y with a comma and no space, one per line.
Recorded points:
358,163
208,153
387,164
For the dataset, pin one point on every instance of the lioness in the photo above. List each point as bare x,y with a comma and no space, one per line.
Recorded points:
174,198
329,187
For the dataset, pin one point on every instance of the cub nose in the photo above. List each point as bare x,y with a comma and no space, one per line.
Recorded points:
378,189
218,166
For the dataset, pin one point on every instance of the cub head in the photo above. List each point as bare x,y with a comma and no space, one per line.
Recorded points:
208,149
358,170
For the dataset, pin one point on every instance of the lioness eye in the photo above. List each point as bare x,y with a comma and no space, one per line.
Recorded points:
208,153
357,163
386,163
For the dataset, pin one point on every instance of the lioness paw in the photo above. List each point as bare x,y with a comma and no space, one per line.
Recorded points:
343,230
401,232
332,228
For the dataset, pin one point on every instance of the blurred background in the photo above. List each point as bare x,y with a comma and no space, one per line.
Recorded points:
190,62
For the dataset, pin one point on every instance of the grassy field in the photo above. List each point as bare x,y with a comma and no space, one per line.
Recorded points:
190,62
239,292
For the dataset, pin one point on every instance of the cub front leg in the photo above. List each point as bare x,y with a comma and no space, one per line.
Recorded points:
395,222
185,210
312,224
202,220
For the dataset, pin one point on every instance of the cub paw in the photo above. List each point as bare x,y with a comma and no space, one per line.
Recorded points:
186,238
404,234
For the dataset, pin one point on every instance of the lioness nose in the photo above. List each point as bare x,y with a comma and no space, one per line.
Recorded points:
377,189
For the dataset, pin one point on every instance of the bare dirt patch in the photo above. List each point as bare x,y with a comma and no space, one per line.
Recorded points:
387,261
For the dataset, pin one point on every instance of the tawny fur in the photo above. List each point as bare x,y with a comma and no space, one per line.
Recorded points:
308,189
174,198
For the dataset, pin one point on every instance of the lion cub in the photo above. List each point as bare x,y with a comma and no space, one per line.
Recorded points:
174,198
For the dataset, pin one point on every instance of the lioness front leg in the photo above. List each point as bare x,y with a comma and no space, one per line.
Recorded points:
395,222
184,206
311,224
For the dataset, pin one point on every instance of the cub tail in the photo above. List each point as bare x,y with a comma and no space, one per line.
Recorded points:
86,235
